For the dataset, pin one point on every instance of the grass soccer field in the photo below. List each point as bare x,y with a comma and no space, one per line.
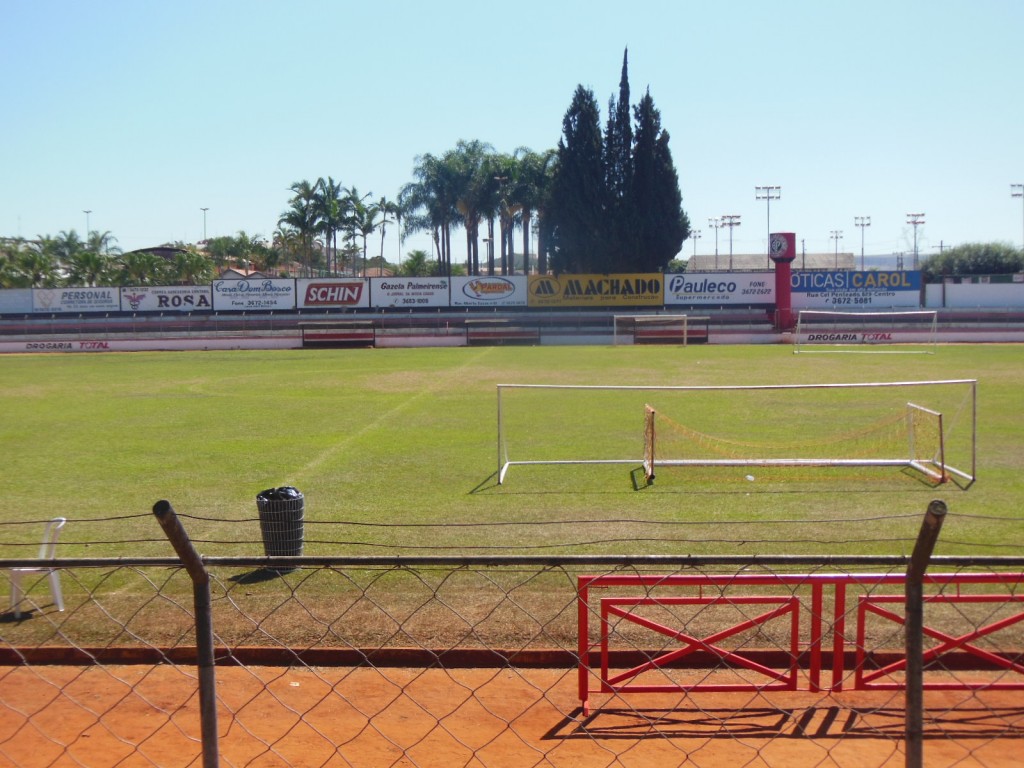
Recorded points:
396,452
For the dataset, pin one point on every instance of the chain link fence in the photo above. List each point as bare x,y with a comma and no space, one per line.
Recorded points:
512,661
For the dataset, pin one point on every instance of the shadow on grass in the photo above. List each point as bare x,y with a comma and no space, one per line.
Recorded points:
260,575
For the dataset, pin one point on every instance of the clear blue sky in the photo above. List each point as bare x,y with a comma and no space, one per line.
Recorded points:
145,112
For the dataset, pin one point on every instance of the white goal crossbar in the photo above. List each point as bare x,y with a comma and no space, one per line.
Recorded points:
591,421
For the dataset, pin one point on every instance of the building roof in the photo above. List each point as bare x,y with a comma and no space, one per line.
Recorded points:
749,262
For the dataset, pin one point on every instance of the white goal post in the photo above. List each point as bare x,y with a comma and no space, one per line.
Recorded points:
633,329
927,426
893,331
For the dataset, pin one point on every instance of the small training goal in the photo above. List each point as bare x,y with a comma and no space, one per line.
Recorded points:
910,331
650,329
924,426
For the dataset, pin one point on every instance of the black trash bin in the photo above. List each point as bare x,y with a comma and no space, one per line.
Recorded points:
281,515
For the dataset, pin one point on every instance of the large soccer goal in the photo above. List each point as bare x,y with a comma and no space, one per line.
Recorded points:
650,329
924,426
910,331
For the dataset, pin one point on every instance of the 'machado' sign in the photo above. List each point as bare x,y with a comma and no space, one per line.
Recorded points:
595,290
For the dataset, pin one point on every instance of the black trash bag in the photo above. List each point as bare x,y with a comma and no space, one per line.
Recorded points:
282,511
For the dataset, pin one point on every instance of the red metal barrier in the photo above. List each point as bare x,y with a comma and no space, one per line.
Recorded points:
779,669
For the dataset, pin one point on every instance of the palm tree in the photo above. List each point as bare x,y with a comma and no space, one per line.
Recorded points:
36,266
301,216
191,267
534,181
363,219
88,268
140,268
388,208
474,176
429,202
415,265
331,211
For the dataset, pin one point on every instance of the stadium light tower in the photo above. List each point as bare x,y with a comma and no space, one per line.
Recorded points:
87,224
696,235
716,224
837,235
862,221
1017,190
915,219
768,193
730,220
204,210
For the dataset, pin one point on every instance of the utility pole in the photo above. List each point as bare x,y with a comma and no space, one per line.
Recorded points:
1017,190
730,220
768,193
915,219
862,221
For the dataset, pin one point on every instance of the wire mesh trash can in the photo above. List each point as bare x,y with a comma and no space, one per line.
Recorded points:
281,517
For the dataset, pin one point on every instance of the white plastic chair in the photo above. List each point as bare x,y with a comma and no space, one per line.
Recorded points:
47,551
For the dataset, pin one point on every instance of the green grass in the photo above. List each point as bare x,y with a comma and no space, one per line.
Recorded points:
408,437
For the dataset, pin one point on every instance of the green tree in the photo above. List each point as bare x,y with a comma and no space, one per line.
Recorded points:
141,268
578,202
88,268
615,204
191,267
973,259
473,174
619,170
658,224
301,216
35,265
533,189
429,202
332,212
416,264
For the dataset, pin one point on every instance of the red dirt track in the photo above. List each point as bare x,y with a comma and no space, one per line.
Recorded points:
500,718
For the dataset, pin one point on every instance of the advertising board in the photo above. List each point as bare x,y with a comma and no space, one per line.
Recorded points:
333,293
78,300
166,298
489,291
720,288
874,289
253,295
409,292
625,290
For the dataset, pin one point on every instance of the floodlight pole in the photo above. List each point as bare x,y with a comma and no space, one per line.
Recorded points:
768,193
730,220
716,224
1017,190
87,224
204,210
915,219
862,221
837,235
696,235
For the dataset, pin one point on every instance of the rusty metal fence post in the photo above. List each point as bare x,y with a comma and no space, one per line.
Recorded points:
202,604
914,592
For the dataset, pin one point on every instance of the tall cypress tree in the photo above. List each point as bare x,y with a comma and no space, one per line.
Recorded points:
615,204
618,147
577,241
660,226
